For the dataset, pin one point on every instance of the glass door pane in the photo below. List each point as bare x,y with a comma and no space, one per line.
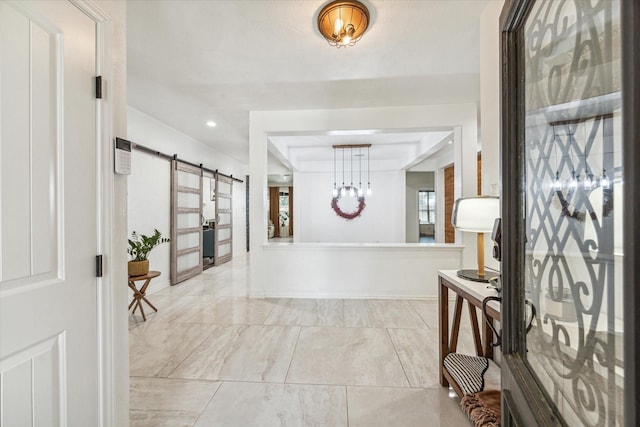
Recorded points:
573,207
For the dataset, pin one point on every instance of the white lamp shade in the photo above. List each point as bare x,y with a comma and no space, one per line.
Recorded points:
475,214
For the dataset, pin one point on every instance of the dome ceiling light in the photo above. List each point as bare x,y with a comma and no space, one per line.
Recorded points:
343,23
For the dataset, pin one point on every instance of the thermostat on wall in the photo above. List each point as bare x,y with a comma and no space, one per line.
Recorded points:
123,157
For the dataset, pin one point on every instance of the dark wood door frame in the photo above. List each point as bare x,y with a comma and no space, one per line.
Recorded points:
449,197
630,16
291,211
524,401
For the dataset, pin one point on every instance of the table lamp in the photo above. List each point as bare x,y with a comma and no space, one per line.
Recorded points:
476,215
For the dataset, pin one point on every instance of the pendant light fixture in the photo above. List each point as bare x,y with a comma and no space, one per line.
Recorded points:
360,191
557,185
604,180
343,189
335,187
368,174
351,189
343,22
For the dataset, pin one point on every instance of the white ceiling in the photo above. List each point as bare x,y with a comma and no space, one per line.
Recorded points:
390,150
193,61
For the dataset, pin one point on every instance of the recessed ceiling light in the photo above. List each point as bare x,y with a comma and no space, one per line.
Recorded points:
211,124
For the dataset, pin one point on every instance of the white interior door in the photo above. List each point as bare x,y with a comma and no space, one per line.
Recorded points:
49,373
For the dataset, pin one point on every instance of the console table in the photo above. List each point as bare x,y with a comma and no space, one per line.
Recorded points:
474,293
139,294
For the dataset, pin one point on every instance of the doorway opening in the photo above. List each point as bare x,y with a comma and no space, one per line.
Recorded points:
426,216
280,228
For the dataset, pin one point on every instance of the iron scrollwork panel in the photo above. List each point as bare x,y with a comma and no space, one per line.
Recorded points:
573,204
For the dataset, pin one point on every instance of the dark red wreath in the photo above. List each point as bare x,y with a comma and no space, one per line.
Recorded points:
340,212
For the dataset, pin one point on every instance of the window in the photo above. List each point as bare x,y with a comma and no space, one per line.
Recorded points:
283,211
427,207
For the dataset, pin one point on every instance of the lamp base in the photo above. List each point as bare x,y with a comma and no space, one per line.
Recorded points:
473,275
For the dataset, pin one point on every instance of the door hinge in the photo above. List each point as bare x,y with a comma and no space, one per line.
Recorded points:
99,87
98,265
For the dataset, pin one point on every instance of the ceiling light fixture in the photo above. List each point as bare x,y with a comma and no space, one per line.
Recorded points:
368,173
211,124
343,23
351,189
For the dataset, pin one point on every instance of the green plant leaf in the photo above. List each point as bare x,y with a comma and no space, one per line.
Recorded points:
140,245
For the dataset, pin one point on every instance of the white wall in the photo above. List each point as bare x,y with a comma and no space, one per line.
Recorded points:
416,181
357,270
381,221
150,207
149,186
490,107
443,159
461,118
146,130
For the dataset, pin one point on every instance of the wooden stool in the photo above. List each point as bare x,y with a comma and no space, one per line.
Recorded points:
139,294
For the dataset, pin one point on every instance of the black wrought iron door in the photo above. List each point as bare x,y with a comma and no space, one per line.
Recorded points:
564,197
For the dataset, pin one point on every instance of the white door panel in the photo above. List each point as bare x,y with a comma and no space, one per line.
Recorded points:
48,295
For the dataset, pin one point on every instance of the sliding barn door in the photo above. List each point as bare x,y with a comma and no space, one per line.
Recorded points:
186,227
224,220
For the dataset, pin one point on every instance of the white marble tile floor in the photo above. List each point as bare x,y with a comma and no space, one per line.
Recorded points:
212,357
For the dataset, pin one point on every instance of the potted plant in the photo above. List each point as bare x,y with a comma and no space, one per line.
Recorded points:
139,248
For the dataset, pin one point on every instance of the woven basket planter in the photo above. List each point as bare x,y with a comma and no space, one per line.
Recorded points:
138,268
